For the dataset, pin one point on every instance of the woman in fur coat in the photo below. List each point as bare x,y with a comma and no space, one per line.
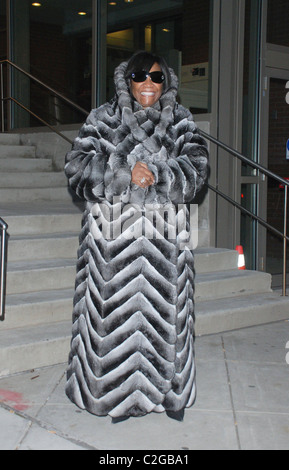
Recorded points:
137,162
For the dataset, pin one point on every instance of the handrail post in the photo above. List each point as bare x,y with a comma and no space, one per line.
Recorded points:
3,261
285,243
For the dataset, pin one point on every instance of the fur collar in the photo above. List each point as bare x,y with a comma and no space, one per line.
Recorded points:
132,111
118,134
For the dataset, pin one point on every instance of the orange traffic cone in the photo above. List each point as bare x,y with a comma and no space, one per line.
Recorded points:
241,258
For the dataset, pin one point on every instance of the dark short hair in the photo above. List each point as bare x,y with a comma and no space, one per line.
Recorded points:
143,60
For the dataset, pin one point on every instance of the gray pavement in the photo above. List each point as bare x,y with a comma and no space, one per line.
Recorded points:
242,404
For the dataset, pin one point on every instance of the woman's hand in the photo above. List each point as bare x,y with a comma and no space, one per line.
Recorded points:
142,176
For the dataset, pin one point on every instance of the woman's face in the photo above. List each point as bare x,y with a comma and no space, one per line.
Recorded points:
147,93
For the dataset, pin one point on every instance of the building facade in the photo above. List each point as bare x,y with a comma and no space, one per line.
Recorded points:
232,60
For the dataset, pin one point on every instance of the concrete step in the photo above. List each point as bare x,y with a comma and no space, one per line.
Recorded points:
44,306
32,180
33,347
37,308
40,275
9,139
210,259
43,224
216,316
17,151
8,196
231,283
30,276
43,345
48,246
25,165
41,218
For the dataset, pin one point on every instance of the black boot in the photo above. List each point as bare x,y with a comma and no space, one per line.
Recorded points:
119,419
177,415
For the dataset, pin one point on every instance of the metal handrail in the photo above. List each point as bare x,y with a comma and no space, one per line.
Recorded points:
40,119
3,267
47,87
263,222
244,159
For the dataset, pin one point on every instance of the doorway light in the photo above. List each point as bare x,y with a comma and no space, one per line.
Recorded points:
82,13
36,4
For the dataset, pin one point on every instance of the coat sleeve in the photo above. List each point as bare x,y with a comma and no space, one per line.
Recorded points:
88,165
186,170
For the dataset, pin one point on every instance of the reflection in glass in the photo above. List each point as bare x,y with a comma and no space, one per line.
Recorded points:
54,43
277,163
277,24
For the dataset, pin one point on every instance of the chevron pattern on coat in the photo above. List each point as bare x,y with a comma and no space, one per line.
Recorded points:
134,352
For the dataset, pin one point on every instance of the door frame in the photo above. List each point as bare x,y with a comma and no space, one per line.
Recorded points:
269,73
273,60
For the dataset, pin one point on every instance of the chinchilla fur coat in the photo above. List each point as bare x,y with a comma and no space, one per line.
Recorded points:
132,347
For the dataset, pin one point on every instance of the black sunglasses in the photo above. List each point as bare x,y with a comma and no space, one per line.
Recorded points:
156,77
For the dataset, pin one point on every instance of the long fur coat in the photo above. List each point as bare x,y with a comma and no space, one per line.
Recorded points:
132,348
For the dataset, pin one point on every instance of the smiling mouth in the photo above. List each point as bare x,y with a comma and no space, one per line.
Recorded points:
147,93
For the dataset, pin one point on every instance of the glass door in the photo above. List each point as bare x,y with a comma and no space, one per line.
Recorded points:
277,141
250,180
274,133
